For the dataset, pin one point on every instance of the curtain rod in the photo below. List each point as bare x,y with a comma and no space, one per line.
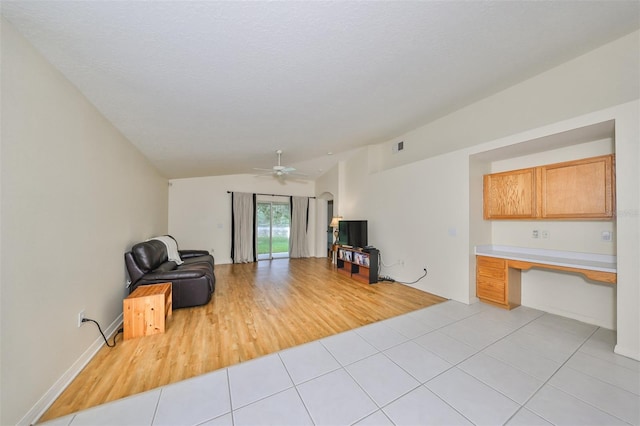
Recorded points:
274,195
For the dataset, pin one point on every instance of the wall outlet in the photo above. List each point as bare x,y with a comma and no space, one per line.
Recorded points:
535,234
80,317
605,236
544,234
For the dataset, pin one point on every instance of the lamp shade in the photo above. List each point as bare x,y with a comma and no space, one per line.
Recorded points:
334,221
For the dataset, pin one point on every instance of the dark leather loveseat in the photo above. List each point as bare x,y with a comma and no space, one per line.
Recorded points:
193,281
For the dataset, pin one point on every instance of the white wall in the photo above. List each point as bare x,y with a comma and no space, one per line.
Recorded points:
573,295
75,196
326,189
200,209
628,230
429,211
426,222
421,215
569,235
569,295
599,79
418,217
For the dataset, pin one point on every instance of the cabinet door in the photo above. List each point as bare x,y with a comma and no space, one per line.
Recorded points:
491,290
510,195
491,279
578,189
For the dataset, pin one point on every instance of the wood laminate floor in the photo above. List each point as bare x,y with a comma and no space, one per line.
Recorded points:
257,309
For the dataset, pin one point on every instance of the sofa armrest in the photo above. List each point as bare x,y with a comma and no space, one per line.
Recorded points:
135,272
186,254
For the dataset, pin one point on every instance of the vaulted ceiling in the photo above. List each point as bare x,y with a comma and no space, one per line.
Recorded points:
216,87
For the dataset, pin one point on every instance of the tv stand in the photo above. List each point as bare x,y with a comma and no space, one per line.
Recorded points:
360,265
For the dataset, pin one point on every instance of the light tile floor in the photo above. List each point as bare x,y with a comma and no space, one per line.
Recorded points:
448,364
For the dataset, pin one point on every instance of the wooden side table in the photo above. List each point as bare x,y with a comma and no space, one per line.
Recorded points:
146,309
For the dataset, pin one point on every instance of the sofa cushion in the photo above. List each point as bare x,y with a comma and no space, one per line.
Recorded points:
149,254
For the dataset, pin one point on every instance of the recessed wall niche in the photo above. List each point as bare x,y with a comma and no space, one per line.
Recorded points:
560,293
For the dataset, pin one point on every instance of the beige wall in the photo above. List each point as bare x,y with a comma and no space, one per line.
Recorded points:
75,196
200,209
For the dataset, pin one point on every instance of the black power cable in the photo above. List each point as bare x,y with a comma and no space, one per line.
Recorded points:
413,282
101,332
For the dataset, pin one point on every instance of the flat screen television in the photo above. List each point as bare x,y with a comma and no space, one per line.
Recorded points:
353,233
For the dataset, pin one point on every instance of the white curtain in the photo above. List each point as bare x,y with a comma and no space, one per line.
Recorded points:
243,216
298,245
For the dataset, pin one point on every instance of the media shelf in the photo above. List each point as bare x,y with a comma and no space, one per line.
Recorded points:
358,264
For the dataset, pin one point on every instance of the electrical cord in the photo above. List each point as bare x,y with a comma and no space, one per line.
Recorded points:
381,263
387,278
413,282
101,332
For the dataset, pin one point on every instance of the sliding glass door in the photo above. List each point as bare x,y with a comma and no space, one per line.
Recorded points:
273,220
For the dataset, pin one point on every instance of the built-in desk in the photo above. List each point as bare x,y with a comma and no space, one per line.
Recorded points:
498,269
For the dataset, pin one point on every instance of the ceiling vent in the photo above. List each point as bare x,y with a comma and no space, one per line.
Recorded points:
397,147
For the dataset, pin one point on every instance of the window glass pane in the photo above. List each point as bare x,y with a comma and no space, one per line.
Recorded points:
281,222
264,229
273,221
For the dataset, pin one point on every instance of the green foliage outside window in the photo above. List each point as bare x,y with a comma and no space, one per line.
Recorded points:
278,225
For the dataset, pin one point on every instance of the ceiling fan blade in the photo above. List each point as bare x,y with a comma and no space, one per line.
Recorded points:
288,169
263,170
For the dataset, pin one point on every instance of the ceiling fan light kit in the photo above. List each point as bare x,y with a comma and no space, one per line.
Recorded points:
279,171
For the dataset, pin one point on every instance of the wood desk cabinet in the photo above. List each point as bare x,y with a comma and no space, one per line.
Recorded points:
496,283
498,279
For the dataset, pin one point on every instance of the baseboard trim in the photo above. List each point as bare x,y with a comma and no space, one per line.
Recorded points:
624,351
40,407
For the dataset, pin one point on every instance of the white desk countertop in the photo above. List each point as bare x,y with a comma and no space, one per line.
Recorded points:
570,259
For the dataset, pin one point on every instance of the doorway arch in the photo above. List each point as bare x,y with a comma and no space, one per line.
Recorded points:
326,209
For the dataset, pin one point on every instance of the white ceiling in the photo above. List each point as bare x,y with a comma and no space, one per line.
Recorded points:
212,88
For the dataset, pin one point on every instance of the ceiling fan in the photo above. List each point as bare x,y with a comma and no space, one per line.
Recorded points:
279,171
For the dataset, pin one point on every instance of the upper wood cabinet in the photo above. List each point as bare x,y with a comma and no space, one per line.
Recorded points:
580,189
510,195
